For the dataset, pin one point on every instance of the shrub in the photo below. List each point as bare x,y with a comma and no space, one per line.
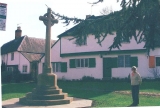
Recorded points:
6,76
16,76
88,78
25,77
155,72
120,79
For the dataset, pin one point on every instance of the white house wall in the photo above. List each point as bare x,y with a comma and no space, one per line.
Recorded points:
24,61
69,46
143,67
78,73
155,52
97,72
19,60
74,73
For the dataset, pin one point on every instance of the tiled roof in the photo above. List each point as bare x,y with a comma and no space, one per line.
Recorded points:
11,46
31,48
31,56
33,45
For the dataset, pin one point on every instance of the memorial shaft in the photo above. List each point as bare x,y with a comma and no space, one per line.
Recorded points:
48,44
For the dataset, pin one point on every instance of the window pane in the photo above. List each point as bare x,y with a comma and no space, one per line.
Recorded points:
24,68
121,61
12,56
77,62
127,60
82,41
157,61
59,67
53,67
86,62
82,62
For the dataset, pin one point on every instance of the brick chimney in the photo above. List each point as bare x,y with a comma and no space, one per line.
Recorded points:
87,16
18,32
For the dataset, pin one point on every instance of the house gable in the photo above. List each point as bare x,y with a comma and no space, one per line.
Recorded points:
11,46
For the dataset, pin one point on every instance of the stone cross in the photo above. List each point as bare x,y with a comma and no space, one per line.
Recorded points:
49,20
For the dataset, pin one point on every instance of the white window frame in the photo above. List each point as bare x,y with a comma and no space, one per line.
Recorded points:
56,66
80,64
124,61
10,69
12,56
83,43
24,68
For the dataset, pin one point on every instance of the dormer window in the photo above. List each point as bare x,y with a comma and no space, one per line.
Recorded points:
12,56
81,41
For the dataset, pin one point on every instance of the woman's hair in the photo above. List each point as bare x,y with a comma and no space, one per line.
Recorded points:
134,68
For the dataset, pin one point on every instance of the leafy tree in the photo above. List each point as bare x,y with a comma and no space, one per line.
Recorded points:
136,15
3,66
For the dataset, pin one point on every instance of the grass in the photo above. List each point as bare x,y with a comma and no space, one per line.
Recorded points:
100,92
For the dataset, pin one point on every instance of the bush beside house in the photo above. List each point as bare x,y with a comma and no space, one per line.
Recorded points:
15,76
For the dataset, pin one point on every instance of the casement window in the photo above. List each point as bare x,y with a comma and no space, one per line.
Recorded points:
124,61
157,61
83,63
59,66
56,66
12,56
82,41
10,69
127,61
24,68
125,40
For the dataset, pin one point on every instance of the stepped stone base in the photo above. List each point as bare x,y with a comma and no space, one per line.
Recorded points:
46,93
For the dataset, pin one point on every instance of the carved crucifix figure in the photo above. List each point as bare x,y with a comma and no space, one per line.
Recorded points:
48,20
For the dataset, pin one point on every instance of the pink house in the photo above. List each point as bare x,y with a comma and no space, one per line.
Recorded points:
23,53
73,61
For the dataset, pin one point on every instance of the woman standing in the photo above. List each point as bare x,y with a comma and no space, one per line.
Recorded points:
135,82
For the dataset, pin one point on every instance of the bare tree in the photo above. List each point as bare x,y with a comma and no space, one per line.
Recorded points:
106,11
155,72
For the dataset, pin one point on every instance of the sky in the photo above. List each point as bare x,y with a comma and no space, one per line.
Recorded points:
26,14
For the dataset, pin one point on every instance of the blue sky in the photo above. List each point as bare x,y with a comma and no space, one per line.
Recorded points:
27,12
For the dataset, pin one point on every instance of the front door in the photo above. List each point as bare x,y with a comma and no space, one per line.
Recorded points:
34,70
108,64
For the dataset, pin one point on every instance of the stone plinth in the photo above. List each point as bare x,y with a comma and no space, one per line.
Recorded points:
47,79
46,93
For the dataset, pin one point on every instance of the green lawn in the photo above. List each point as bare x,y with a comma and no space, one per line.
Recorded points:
100,92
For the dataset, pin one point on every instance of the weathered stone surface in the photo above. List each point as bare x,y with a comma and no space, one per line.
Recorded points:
26,101
47,92
47,79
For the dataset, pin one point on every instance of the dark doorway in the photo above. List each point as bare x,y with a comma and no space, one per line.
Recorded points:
34,70
108,64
